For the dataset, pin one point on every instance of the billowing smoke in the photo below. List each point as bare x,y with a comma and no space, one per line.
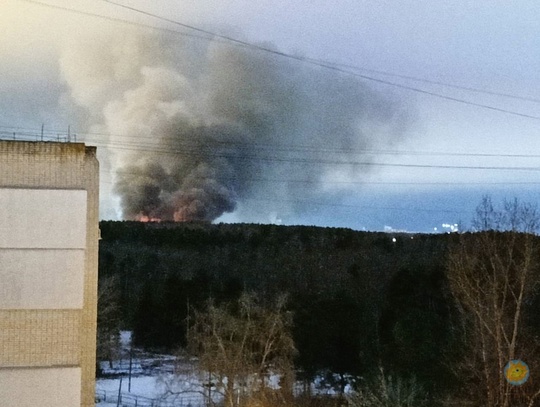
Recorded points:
199,128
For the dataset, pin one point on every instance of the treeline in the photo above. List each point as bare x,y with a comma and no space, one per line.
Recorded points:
359,300
405,319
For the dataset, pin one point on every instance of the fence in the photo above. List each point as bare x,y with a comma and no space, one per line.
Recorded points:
132,400
36,135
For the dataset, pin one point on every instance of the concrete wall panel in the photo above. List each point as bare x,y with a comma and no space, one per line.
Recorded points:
52,387
41,279
43,218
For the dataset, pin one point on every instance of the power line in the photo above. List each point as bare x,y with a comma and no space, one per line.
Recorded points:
190,27
324,64
147,144
333,182
208,153
118,20
328,204
201,154
432,82
308,148
198,154
385,183
315,62
349,151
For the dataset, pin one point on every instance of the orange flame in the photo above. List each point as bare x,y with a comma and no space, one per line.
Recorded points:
141,217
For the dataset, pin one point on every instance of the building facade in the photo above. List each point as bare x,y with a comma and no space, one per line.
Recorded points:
48,273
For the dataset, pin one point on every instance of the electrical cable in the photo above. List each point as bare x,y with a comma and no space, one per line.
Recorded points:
325,64
148,141
315,62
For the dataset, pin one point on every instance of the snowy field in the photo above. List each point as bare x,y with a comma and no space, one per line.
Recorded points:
155,381
165,390
145,391
161,381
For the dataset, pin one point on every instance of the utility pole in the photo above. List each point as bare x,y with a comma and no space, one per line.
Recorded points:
119,399
130,363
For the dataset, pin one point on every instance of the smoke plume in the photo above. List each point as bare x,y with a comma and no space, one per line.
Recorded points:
198,128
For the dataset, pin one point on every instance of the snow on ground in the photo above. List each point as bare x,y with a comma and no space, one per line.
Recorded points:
144,386
156,380
161,390
163,381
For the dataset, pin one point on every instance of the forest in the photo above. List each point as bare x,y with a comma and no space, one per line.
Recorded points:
421,309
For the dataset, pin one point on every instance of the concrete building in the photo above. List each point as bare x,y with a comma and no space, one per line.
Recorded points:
48,274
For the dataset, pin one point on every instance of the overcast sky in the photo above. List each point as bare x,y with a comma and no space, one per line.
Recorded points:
48,55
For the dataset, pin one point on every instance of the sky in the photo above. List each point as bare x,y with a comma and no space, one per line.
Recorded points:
190,125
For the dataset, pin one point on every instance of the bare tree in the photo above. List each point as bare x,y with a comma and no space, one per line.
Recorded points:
108,326
241,346
388,391
492,273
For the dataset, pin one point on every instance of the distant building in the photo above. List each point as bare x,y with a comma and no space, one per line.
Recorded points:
48,274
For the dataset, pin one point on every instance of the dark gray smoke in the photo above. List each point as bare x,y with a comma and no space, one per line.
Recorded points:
198,129
195,180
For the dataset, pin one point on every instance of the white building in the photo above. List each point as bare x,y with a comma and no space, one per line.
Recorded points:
48,274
